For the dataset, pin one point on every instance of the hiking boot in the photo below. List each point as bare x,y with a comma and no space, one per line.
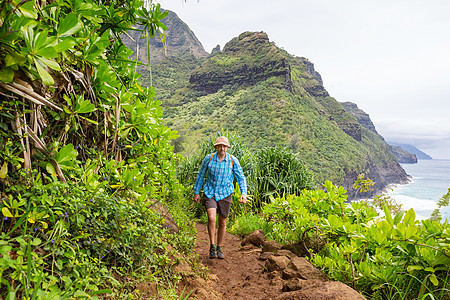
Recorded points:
212,251
220,253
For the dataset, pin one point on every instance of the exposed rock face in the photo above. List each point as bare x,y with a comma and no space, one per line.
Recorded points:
403,156
360,116
412,149
180,42
245,60
392,172
343,119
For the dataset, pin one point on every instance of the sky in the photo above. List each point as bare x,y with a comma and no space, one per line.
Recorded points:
390,57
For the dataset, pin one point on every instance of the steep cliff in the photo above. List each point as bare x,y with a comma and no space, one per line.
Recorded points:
245,60
403,156
180,42
412,149
364,120
362,117
273,98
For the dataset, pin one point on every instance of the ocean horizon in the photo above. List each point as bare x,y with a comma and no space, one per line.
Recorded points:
429,181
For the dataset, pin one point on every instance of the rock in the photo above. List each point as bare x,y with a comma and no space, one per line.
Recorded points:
265,255
274,274
286,253
293,284
299,267
211,76
256,238
297,249
271,246
276,263
319,290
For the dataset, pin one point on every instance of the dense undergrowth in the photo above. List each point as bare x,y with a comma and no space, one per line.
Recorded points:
84,159
389,257
374,246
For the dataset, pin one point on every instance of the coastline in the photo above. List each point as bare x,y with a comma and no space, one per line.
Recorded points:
429,180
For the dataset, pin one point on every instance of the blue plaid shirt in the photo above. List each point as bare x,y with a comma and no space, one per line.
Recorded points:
219,182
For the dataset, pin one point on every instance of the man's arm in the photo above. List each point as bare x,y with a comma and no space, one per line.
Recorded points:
240,177
200,177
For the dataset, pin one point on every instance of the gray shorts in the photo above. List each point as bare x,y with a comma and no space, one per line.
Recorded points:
222,206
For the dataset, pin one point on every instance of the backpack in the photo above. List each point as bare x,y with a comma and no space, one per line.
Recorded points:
215,153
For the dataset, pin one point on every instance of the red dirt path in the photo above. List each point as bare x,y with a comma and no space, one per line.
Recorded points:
240,274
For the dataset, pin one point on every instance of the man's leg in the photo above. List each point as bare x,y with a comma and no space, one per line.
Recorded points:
211,224
212,231
222,230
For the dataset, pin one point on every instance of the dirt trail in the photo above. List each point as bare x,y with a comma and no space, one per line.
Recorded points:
240,274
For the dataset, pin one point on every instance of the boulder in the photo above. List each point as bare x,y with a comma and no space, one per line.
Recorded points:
256,238
271,246
265,255
320,290
299,267
293,284
276,263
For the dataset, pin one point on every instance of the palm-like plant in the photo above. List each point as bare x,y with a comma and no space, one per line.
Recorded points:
279,171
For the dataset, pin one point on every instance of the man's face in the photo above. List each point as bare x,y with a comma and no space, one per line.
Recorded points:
221,149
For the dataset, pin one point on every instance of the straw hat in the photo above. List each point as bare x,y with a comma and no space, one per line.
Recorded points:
221,140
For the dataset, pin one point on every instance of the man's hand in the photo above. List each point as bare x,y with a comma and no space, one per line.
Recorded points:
197,198
243,199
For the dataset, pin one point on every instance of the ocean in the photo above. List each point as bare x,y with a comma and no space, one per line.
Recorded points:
430,180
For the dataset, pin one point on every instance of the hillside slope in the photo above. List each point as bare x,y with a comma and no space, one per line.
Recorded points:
273,98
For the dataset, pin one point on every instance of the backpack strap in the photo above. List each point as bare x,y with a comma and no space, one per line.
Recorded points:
211,157
215,153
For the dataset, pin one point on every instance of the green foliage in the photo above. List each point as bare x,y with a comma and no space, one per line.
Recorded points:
268,171
395,257
82,152
245,224
279,171
84,240
444,201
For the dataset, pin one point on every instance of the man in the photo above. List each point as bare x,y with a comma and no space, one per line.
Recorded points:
218,191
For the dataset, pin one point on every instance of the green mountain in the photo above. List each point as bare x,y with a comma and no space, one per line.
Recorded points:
180,42
412,149
403,156
270,98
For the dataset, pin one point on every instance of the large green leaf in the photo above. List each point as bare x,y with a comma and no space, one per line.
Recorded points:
410,217
28,10
85,107
45,76
47,52
4,170
69,25
6,75
66,156
65,44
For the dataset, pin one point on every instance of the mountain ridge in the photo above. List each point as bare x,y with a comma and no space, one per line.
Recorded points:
273,98
412,149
